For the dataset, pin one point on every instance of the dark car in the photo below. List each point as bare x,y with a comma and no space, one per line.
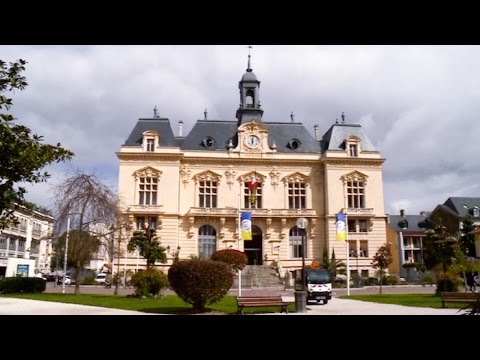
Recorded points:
49,277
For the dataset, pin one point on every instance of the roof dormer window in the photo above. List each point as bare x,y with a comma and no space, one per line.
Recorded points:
150,144
352,150
352,145
150,140
208,142
294,144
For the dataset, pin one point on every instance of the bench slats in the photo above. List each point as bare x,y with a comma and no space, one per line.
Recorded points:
459,297
260,301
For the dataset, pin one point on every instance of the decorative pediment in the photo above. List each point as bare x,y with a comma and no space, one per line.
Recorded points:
354,176
207,176
147,171
248,176
252,126
352,138
296,177
150,133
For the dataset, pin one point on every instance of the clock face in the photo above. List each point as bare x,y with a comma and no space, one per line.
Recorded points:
252,141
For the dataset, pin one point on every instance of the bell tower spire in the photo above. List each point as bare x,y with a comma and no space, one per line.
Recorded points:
249,86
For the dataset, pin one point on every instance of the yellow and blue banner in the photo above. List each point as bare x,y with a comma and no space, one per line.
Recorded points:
246,225
341,219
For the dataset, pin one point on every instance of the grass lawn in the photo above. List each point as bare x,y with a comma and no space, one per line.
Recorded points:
170,304
420,300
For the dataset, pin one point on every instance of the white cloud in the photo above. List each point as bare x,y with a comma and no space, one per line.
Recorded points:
418,104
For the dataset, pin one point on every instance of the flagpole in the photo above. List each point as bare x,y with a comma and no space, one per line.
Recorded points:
238,241
348,255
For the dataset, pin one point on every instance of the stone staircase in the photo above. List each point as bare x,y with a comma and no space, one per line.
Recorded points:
258,276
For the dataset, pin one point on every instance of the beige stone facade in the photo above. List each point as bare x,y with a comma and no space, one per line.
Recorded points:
191,191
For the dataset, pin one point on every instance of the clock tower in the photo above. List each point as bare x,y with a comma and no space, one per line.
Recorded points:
249,108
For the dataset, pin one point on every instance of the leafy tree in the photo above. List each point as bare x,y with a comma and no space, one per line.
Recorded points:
439,250
22,153
381,260
86,199
200,282
467,239
150,249
81,246
332,265
235,258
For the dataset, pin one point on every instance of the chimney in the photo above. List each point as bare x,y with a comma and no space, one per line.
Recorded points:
317,132
402,213
180,128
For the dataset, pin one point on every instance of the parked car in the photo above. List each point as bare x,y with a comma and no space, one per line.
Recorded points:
101,278
68,280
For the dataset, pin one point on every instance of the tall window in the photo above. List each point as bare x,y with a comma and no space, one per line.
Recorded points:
150,144
356,194
148,191
208,194
252,198
353,150
151,222
297,198
207,241
296,246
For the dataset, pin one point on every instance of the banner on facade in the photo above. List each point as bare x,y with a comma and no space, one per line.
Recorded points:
246,225
341,219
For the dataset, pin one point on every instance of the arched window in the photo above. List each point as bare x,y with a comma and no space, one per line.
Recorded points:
207,241
249,98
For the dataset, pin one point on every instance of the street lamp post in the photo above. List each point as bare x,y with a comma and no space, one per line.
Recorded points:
301,295
118,268
65,255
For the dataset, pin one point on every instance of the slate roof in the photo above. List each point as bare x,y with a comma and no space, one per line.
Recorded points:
221,131
461,205
334,138
414,222
161,125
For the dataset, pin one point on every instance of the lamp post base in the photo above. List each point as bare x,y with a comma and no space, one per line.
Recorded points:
300,301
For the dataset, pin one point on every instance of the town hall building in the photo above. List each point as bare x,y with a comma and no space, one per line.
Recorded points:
191,188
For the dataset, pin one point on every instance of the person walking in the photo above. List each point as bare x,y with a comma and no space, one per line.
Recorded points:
471,282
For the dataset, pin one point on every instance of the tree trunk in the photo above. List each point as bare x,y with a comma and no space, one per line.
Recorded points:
198,306
77,281
381,280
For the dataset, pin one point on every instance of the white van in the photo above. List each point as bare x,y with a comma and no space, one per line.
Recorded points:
101,278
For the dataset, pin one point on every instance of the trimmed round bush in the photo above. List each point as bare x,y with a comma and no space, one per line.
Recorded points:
447,282
149,283
235,258
200,282
12,285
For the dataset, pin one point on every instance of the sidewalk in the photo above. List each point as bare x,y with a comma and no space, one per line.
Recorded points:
14,306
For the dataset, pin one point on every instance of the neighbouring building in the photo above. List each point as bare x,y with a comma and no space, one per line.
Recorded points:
453,212
406,235
29,240
189,188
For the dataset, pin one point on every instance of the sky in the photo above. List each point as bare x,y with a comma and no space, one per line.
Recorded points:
417,104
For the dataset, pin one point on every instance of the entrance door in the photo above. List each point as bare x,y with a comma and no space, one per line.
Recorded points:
253,248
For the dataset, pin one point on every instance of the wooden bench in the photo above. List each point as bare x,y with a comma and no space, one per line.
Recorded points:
261,301
463,297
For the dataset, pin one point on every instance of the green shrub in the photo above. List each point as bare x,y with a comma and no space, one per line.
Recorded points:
11,285
149,283
235,258
88,280
392,280
447,282
200,282
427,279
